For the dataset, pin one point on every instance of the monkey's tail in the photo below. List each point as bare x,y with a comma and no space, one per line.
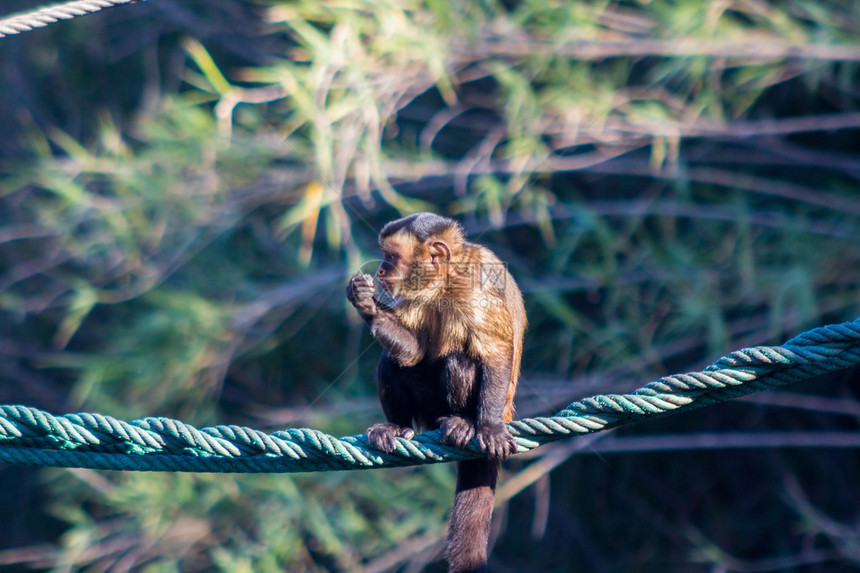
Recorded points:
469,528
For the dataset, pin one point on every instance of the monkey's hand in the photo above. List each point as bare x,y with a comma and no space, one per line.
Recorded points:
382,436
456,430
496,440
359,292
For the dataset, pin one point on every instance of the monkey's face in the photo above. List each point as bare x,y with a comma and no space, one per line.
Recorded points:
394,270
411,274
410,269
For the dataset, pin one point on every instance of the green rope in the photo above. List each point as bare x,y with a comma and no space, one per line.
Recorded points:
31,436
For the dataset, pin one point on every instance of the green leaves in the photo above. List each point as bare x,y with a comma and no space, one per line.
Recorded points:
181,189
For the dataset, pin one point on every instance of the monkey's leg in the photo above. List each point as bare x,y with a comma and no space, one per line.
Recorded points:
461,381
394,395
492,433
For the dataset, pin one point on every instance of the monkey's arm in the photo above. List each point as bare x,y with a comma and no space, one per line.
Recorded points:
400,342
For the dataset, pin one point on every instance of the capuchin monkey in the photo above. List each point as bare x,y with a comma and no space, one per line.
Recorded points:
452,339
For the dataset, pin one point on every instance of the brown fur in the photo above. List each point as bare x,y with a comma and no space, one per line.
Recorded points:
452,348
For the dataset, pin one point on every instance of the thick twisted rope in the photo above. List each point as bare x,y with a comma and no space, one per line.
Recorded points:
50,14
31,436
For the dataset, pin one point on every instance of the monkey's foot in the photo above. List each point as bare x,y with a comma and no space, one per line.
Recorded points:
382,436
496,440
456,430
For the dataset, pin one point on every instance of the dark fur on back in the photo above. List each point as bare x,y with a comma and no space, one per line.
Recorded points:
422,225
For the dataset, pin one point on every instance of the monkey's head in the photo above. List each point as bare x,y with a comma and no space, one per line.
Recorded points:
416,251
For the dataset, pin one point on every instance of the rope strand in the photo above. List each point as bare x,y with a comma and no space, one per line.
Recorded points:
50,14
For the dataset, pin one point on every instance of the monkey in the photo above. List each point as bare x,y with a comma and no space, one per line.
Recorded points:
452,335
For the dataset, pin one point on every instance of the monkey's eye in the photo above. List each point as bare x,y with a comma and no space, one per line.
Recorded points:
388,266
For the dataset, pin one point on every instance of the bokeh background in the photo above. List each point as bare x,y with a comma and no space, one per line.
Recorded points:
186,185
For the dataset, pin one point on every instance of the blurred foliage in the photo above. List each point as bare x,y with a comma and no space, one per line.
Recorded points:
186,185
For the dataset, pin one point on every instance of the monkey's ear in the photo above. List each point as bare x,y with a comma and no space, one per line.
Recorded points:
439,252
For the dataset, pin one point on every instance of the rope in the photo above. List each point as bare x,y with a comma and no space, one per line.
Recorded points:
50,14
31,436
